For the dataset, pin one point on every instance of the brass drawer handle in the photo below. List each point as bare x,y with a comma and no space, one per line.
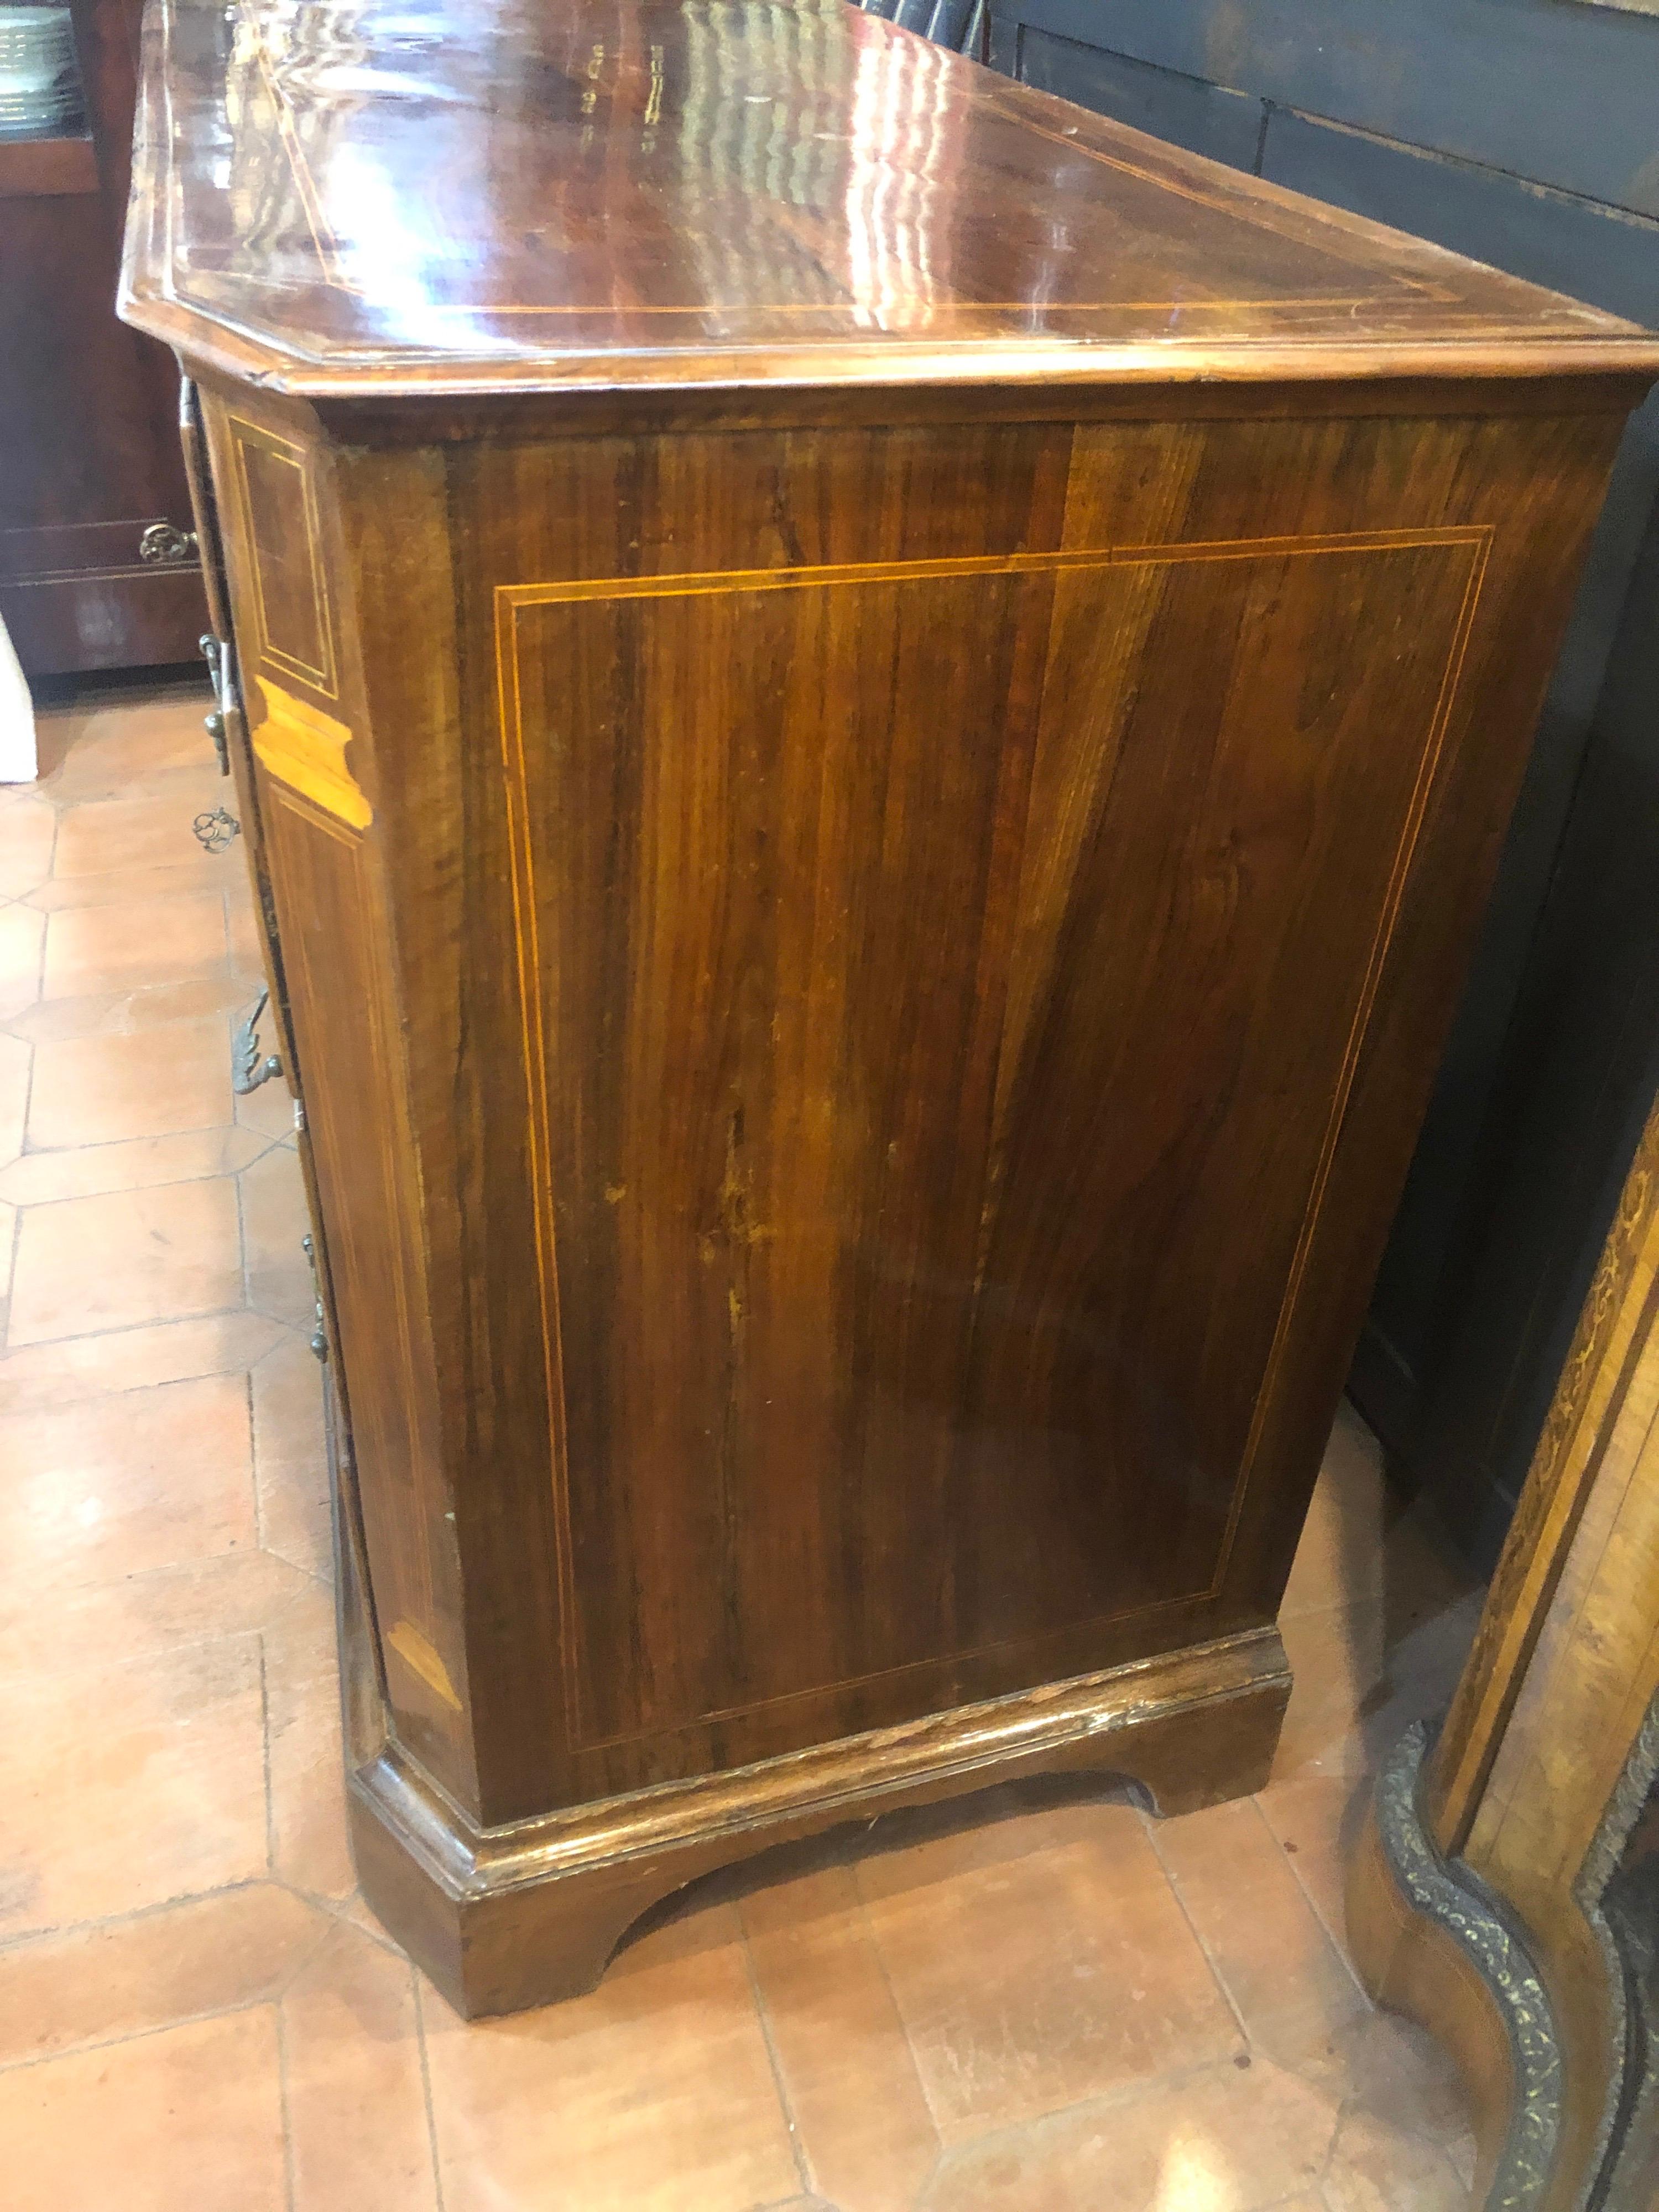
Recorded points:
214,831
320,1336
218,668
248,1068
162,540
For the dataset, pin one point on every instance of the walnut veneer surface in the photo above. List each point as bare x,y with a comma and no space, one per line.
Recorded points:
873,716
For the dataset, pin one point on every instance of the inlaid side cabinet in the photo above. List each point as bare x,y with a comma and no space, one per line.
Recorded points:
873,716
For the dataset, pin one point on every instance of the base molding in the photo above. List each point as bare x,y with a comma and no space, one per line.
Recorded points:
502,1919
1429,1941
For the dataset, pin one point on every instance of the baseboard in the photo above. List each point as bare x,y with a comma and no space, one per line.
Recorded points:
505,1917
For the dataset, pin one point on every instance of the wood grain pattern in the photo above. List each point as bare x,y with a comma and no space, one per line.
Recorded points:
930,220
1038,824
780,1246
867,990
824,502
893,1013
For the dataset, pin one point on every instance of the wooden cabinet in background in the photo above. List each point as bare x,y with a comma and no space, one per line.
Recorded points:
98,569
875,717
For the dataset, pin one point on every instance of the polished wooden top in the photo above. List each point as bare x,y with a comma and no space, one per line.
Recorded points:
455,195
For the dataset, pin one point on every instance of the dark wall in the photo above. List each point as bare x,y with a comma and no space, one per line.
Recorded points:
1526,133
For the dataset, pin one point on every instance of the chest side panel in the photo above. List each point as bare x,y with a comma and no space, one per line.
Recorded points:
920,955
942,978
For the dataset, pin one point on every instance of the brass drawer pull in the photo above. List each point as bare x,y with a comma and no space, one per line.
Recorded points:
218,668
319,1337
248,1067
214,831
162,540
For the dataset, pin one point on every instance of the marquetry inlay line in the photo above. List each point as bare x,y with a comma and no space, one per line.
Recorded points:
527,945
407,1580
394,1151
990,564
1038,1640
1189,309
1474,538
243,435
1479,540
1258,219
322,237
422,1660
305,749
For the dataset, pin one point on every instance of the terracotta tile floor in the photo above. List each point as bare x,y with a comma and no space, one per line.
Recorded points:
1039,2002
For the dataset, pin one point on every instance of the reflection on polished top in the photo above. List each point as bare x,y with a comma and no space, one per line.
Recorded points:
458,194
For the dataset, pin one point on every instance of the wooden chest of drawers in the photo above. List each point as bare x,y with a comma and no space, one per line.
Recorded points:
873,715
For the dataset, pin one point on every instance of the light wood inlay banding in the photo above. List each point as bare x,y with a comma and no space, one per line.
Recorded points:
305,749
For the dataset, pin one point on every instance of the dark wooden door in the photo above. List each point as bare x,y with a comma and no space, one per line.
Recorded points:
97,565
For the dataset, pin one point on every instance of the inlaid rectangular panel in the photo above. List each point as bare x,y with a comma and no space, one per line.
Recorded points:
919,963
278,503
